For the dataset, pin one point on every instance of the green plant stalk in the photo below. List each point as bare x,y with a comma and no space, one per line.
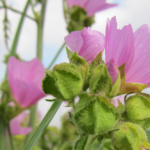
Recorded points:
40,30
43,125
90,141
57,54
17,11
10,137
40,26
2,134
17,34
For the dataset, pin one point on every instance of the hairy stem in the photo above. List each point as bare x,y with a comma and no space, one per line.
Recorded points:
2,134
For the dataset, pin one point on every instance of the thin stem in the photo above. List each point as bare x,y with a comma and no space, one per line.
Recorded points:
17,11
102,143
2,134
40,30
17,34
90,141
10,137
40,26
57,54
43,125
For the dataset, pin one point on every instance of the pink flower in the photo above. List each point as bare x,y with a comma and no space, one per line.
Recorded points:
120,98
87,43
132,49
15,125
91,6
25,79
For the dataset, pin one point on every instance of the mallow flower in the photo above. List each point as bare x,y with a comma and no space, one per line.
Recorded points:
131,49
25,79
15,125
91,6
87,43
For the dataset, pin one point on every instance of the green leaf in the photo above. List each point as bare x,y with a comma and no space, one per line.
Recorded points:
64,82
69,53
138,110
80,143
148,135
95,115
71,119
101,81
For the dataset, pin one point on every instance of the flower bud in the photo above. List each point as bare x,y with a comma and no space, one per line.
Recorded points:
64,82
129,137
95,115
138,109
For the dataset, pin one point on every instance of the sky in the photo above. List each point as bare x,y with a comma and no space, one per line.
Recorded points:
134,12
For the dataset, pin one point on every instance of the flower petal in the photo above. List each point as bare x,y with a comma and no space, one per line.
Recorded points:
140,71
119,44
80,3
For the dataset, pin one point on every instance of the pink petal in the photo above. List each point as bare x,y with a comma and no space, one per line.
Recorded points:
15,125
93,6
119,44
112,70
120,98
93,43
23,76
74,40
80,3
140,69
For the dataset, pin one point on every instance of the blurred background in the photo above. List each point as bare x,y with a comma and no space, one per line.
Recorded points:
134,12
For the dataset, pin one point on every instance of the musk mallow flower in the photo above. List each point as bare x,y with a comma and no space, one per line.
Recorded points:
25,79
15,125
131,49
91,6
87,43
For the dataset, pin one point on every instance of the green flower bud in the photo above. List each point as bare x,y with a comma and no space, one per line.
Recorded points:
129,137
101,81
64,82
95,115
138,109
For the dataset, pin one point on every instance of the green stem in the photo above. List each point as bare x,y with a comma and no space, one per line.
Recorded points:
102,143
40,26
40,30
90,141
10,137
17,34
17,11
57,54
2,134
43,125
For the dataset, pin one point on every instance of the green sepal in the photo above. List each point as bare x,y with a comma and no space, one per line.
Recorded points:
101,81
121,107
115,87
69,53
63,82
138,109
71,119
81,64
5,87
81,143
95,115
127,88
129,137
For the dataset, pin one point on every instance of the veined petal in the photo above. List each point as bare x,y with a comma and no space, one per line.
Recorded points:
93,43
140,71
119,44
74,40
